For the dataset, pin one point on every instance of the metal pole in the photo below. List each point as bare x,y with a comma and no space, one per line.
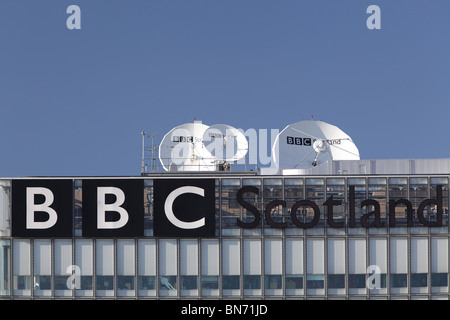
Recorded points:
143,152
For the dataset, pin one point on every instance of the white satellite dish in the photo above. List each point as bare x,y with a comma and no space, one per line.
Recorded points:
182,149
225,143
305,144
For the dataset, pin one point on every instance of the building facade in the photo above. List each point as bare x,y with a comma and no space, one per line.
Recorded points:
333,236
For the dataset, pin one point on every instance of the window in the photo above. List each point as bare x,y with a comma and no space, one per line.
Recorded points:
168,282
294,282
84,259
336,281
146,267
5,280
419,280
273,282
356,281
315,281
42,267
252,282
230,282
210,282
439,279
125,282
188,282
104,259
104,283
146,283
168,266
399,280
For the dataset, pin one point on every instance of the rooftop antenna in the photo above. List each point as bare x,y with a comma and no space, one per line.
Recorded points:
143,152
152,149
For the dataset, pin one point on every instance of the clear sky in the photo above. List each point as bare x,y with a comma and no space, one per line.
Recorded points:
73,102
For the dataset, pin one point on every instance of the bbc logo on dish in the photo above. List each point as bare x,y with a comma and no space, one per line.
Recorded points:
298,141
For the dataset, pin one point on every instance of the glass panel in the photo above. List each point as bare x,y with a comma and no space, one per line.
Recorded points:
336,281
360,194
61,283
336,181
42,283
42,267
104,262
105,283
315,192
418,191
336,189
5,273
78,207
86,283
356,181
125,282
377,191
419,280
439,279
293,192
293,182
5,192
315,281
148,207
356,281
84,260
188,282
252,282
273,282
146,282
314,182
210,282
399,280
168,267
398,189
247,217
294,282
230,210
251,182
443,182
273,190
230,282
377,181
168,282
63,260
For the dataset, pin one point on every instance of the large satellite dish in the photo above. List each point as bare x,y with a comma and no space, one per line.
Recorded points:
198,147
306,144
225,143
182,149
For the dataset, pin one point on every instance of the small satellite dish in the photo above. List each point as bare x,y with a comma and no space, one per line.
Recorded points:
305,144
225,143
182,149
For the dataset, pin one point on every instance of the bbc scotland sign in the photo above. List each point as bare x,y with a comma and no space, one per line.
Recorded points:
182,208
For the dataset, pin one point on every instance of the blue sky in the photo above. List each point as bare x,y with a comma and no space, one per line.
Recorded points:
73,102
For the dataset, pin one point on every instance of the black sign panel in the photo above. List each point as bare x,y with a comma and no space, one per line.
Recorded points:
42,208
184,207
113,208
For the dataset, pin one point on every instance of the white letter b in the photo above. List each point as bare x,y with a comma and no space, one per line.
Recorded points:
44,207
102,207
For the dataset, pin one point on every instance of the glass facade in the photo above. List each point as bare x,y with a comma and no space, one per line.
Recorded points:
407,260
